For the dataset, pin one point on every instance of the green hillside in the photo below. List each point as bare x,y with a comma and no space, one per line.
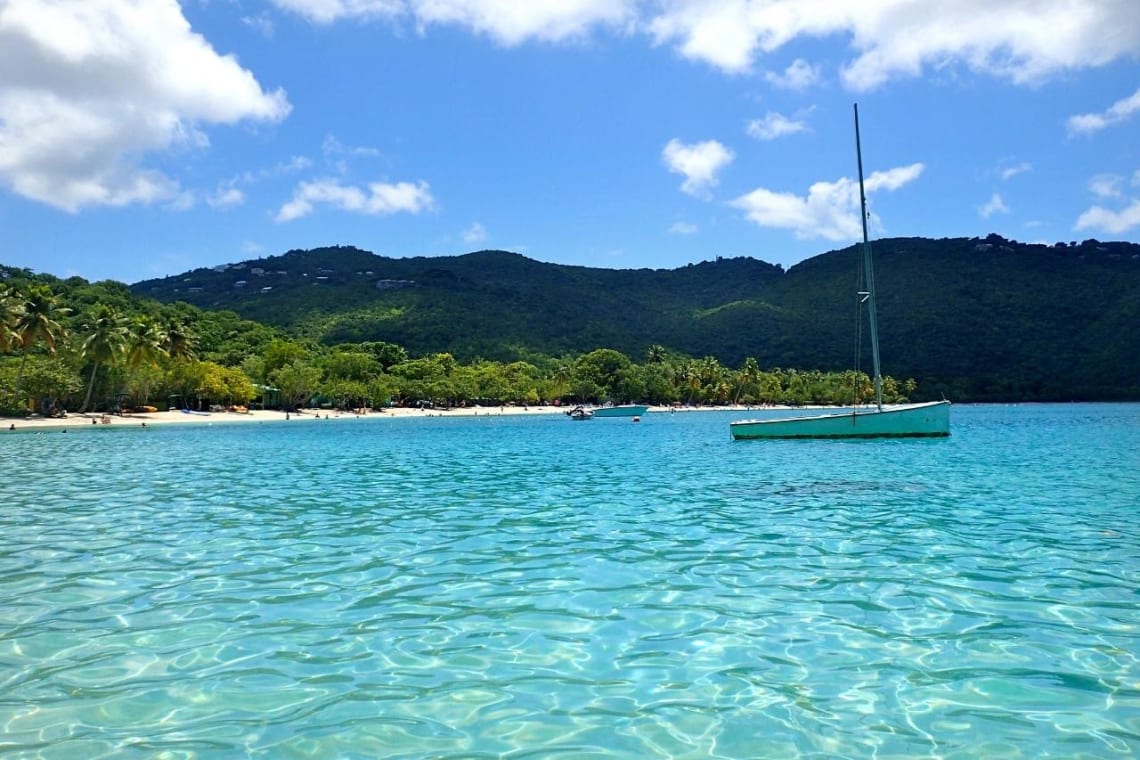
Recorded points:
966,317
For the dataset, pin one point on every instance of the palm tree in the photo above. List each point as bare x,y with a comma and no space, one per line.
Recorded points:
711,374
106,341
10,310
144,339
144,342
177,341
38,318
37,313
561,378
748,374
655,354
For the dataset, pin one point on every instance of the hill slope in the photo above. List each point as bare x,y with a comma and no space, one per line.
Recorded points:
970,318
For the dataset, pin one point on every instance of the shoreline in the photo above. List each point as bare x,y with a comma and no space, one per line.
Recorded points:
178,417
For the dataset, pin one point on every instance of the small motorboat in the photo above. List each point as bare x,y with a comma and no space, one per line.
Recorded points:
580,413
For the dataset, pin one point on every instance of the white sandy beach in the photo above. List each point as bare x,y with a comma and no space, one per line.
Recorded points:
73,421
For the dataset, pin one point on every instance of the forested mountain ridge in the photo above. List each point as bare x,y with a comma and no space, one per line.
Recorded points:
966,317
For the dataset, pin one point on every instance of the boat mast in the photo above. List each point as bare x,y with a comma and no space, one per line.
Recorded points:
868,272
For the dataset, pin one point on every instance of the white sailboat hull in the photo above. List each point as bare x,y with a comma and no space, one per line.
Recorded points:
931,420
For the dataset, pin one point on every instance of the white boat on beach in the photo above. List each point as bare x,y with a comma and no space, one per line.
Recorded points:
906,421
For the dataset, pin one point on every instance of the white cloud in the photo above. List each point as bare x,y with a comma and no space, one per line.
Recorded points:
1102,219
682,228
698,163
333,147
774,125
379,198
1106,185
261,23
995,205
1010,172
1094,122
798,76
327,11
476,233
226,197
1109,187
89,88
893,179
509,22
829,211
1025,41
1020,41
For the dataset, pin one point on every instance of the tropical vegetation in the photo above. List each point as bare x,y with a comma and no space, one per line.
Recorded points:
968,319
79,346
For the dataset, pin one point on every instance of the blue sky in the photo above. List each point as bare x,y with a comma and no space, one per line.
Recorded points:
141,138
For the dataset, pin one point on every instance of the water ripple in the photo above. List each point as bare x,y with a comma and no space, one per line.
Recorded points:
499,587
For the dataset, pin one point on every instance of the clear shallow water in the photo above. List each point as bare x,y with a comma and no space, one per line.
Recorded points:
536,587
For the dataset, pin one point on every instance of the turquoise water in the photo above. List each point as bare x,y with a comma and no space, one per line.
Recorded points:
536,587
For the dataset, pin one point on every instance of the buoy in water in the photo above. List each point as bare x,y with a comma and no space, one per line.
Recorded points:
637,419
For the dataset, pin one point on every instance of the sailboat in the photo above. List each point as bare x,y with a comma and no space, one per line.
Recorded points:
929,420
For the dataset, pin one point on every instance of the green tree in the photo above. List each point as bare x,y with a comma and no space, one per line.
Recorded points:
37,314
387,354
346,394
106,341
351,365
561,379
44,377
380,391
144,342
178,341
657,380
745,378
239,388
603,369
281,353
213,383
183,378
11,308
297,381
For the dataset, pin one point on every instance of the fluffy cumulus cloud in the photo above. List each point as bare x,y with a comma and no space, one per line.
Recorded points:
830,210
698,164
774,125
798,76
508,21
1025,41
379,198
1115,221
1119,111
1106,185
995,205
475,234
1022,41
226,196
89,88
327,11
